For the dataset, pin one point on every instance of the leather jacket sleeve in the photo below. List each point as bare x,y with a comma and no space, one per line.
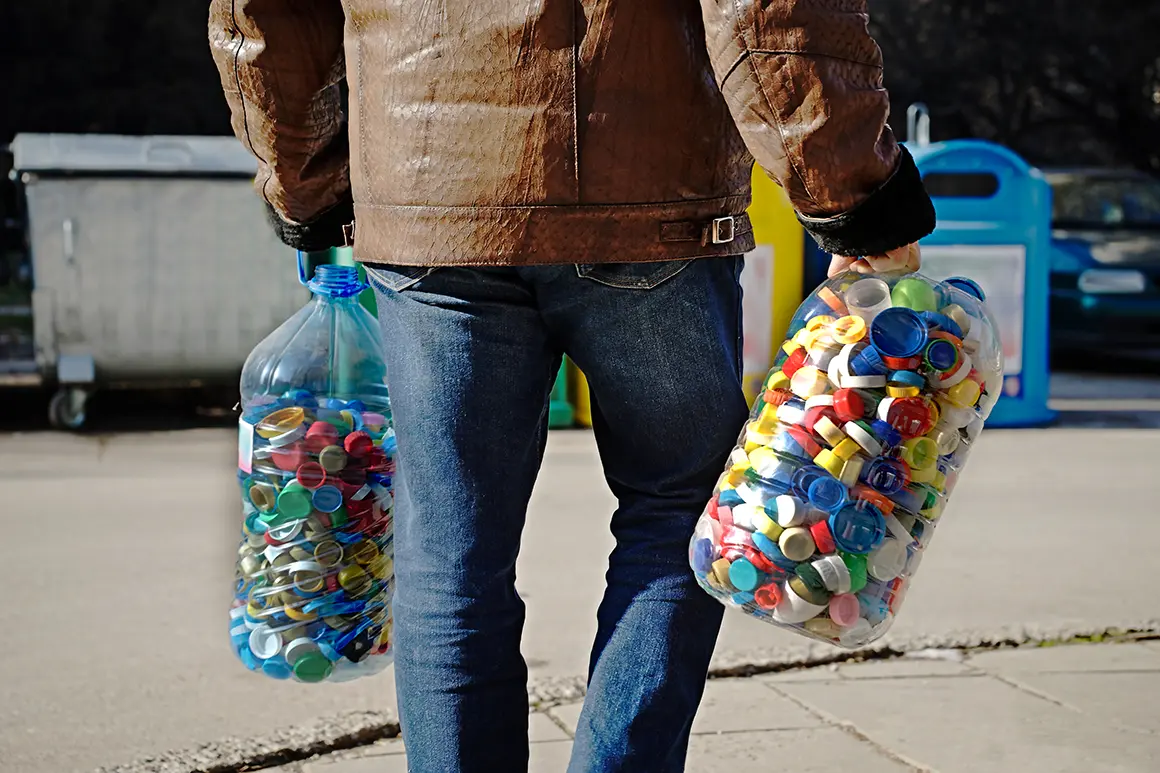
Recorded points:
281,62
803,80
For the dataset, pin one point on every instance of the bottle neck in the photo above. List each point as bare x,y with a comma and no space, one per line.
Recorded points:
336,282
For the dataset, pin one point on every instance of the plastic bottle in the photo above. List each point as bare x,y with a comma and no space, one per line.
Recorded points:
850,454
314,577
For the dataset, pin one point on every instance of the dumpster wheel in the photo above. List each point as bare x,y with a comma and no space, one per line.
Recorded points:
67,409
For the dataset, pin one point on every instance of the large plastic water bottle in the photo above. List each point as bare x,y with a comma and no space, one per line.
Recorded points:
314,576
850,454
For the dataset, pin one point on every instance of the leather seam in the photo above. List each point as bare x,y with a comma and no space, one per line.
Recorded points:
242,99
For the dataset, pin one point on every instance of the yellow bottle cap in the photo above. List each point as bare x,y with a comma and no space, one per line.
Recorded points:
851,470
963,394
280,422
920,453
767,526
830,462
796,543
790,346
902,391
818,322
846,449
848,330
778,381
829,431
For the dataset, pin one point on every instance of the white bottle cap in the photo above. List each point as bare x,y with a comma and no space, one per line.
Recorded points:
793,609
790,511
887,561
265,642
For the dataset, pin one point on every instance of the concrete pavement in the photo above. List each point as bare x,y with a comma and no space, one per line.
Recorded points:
1063,709
119,552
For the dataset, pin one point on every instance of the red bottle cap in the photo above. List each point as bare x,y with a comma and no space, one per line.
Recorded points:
823,539
767,596
777,397
288,458
794,362
849,405
311,475
359,444
320,435
805,440
903,363
911,416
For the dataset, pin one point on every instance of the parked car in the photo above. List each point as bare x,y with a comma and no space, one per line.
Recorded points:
1105,263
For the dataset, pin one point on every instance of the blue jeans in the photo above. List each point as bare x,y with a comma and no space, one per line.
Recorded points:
471,358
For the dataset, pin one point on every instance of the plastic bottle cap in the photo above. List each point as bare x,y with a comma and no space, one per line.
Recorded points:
959,315
358,444
326,499
280,422
767,596
793,609
265,642
827,494
793,412
846,450
910,416
743,575
868,362
823,539
898,332
790,512
285,531
289,458
834,573
808,381
868,297
845,609
848,404
820,401
914,293
848,329
813,595
263,496
887,561
795,362
297,648
968,286
857,634
332,459
831,299
796,543
818,322
851,471
805,440
830,462
763,524
964,394
829,430
857,528
920,453
863,382
863,437
313,667
287,438
311,475
293,503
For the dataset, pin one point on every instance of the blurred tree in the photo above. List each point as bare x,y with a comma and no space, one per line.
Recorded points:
1060,81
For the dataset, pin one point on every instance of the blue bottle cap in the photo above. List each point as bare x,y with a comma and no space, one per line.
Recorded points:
276,668
827,494
885,475
301,397
858,528
887,434
729,498
941,355
898,332
868,362
702,556
941,322
743,598
804,478
968,286
771,551
247,658
327,499
909,377
744,575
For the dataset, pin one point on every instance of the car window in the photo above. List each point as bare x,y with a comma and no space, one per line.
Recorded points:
1082,201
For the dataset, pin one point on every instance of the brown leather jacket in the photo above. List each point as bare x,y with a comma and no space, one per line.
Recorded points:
496,132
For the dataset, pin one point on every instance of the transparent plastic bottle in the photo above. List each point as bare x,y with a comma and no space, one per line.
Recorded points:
851,452
314,578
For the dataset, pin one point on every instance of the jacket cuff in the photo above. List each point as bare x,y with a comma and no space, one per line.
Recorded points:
321,233
898,213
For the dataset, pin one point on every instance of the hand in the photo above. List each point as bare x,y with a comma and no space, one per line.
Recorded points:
905,258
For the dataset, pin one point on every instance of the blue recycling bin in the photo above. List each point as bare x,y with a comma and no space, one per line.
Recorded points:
994,226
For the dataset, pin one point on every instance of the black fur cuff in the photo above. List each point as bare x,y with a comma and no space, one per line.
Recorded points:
321,233
898,213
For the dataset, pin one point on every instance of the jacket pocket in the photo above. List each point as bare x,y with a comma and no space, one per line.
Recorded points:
390,278
632,276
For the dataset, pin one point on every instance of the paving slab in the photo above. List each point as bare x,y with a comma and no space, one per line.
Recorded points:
1126,699
738,705
1127,656
816,750
978,723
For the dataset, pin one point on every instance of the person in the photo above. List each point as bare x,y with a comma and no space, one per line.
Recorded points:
525,180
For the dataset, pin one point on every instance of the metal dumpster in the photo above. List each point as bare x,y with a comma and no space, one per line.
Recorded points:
152,263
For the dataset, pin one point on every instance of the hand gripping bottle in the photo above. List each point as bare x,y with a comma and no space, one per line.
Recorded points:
850,454
314,578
